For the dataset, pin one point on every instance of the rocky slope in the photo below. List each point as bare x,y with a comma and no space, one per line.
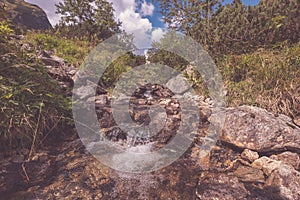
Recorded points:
256,156
25,16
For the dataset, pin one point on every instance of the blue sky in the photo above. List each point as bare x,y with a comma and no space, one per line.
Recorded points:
139,17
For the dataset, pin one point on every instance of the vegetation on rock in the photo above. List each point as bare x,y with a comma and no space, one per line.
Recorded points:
32,104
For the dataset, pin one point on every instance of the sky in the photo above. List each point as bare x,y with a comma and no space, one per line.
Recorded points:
139,17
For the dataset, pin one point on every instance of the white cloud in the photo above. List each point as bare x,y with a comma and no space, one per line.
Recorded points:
157,34
147,9
133,21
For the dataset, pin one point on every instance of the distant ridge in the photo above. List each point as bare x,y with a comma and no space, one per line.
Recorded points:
24,16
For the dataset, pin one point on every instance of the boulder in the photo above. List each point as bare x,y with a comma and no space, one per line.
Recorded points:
266,164
284,183
220,186
249,174
26,16
178,85
256,129
288,158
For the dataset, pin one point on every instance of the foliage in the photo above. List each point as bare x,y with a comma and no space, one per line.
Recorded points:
23,91
268,78
72,50
92,19
234,28
32,104
120,66
157,55
5,31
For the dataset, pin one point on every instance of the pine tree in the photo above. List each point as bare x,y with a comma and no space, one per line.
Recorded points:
88,18
235,28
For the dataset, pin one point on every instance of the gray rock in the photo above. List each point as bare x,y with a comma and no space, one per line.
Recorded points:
53,61
256,129
288,158
178,85
249,174
221,186
26,16
249,155
266,164
85,91
284,183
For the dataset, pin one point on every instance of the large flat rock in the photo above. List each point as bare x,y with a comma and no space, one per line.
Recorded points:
254,128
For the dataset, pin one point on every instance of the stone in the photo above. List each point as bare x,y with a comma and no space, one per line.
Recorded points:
26,47
193,97
249,174
297,121
26,16
161,92
178,85
266,164
284,183
17,159
44,54
288,158
86,90
99,100
114,134
52,61
256,129
249,155
220,186
72,72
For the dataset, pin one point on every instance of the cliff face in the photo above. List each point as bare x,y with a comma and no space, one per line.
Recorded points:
25,16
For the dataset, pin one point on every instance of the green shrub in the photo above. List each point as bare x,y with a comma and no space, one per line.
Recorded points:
5,31
73,51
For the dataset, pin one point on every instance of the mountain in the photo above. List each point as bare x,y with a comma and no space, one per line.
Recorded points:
23,15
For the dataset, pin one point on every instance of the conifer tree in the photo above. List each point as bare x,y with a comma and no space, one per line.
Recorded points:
88,18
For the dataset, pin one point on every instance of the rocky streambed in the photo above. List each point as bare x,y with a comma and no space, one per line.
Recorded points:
255,157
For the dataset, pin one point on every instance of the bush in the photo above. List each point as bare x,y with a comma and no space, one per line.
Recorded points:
5,31
73,51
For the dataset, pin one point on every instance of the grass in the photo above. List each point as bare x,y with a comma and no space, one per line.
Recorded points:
266,78
32,104
72,50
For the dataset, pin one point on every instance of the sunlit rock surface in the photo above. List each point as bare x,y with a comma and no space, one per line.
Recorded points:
26,16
